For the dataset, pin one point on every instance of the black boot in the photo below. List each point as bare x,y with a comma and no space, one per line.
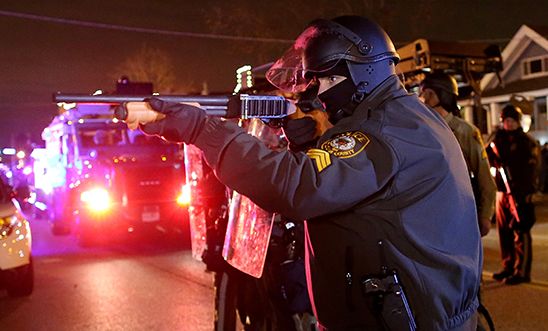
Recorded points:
517,279
499,276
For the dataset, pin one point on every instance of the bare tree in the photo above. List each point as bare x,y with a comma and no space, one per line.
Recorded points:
155,66
285,19
281,20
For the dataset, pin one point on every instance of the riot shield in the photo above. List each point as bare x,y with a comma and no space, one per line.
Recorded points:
249,227
194,172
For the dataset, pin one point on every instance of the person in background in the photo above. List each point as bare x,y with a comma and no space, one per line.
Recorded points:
100,138
544,169
440,92
516,155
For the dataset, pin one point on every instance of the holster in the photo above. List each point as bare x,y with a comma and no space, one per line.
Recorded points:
390,301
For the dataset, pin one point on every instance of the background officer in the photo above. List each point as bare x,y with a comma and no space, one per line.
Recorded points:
440,91
516,154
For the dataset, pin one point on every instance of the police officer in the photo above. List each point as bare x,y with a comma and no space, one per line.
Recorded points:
517,154
440,91
385,192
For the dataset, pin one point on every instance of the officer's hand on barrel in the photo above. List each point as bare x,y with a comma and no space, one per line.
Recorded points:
182,122
300,132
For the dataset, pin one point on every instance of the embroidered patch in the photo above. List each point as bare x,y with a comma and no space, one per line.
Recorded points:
320,157
347,144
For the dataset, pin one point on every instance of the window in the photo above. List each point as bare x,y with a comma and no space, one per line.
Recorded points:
534,67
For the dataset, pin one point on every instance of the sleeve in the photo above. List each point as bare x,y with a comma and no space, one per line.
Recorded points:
534,162
297,185
479,166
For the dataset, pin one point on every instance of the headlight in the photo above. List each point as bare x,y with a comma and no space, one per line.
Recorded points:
6,225
97,199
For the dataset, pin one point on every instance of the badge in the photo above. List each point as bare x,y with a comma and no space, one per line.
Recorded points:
347,144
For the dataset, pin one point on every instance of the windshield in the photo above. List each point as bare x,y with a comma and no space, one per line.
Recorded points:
100,135
137,137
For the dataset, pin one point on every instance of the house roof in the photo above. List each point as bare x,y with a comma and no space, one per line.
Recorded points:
518,86
511,52
542,30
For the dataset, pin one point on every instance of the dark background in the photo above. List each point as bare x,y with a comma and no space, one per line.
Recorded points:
39,56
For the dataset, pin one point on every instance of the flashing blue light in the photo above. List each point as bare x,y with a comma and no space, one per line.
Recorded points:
27,170
40,205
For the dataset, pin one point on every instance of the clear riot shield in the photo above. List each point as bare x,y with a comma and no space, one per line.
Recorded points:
194,172
249,227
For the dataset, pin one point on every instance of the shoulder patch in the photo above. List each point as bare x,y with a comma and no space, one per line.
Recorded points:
321,157
347,144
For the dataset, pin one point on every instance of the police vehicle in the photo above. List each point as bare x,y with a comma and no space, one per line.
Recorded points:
96,177
16,268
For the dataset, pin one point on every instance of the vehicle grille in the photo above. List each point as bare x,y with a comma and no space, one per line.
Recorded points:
151,184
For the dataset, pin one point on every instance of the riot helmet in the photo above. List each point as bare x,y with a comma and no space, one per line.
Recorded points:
446,89
352,45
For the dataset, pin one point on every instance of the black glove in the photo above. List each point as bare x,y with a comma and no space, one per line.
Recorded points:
183,122
301,133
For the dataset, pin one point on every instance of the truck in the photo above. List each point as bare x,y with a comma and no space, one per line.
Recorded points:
97,178
467,62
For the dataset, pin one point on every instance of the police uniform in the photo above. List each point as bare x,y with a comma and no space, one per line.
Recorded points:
471,144
518,152
386,187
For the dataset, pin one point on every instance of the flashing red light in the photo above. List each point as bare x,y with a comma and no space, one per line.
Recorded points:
184,198
97,199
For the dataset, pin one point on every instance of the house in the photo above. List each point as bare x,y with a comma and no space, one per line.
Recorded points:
522,82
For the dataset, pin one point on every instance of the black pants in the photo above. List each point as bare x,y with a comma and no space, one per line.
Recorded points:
515,238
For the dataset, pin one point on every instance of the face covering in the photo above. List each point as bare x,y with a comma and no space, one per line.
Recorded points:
337,98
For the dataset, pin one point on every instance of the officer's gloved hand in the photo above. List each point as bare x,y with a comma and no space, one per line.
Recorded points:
182,123
301,133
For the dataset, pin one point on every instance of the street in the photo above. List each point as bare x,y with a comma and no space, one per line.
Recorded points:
519,307
148,283
143,284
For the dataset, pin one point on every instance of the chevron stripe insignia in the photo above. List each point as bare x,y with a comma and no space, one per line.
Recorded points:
320,157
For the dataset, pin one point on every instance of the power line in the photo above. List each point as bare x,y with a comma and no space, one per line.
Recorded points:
141,30
185,34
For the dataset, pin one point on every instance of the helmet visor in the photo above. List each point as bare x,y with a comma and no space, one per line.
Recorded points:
294,71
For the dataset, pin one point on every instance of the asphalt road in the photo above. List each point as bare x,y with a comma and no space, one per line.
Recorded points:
150,283
521,307
146,283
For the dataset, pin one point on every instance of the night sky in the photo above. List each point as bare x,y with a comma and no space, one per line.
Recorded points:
40,56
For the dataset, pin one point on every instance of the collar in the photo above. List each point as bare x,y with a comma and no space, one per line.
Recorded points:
448,118
391,88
